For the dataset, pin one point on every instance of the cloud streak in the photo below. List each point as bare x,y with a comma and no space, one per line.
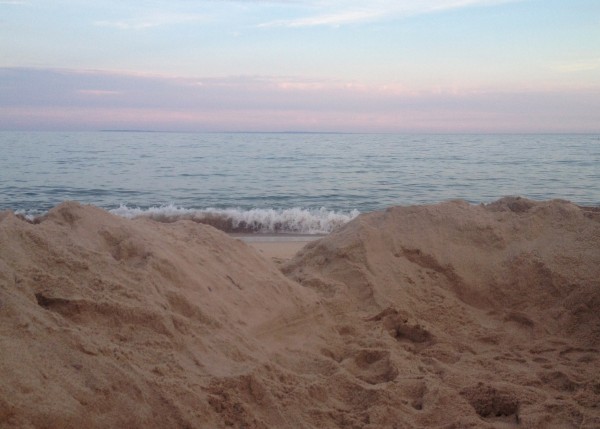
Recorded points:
337,13
151,21
333,19
578,66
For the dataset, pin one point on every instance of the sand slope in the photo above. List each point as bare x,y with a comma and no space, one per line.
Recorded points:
113,323
475,313
432,316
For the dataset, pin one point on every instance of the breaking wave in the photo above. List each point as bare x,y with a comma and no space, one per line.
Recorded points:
292,221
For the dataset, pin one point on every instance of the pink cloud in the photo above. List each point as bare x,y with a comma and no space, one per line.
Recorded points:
97,92
50,99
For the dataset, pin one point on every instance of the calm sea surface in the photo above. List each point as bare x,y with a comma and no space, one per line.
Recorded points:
326,173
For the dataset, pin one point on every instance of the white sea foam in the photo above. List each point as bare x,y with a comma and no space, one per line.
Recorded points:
294,220
30,215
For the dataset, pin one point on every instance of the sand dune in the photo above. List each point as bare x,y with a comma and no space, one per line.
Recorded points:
449,315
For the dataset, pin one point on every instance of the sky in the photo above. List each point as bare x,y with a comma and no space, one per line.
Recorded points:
301,65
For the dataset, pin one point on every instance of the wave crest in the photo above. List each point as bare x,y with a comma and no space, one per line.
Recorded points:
293,221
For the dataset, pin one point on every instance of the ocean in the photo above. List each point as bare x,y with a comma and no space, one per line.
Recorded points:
287,182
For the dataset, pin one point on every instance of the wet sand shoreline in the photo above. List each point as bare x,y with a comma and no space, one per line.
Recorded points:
277,247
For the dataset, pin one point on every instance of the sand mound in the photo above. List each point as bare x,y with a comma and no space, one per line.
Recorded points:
432,316
106,322
494,307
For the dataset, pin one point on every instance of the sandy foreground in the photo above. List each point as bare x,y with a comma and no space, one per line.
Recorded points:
277,248
444,316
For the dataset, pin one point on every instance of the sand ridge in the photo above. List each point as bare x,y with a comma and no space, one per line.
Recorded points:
449,315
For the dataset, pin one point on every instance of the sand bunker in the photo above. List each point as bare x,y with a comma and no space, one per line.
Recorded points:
449,315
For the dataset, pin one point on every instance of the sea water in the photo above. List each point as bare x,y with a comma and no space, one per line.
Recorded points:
287,182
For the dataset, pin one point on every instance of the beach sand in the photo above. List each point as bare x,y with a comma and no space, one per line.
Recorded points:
278,248
446,316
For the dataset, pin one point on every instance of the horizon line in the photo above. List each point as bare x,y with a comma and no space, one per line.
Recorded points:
291,132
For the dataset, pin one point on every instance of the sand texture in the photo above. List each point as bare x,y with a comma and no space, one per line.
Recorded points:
443,316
